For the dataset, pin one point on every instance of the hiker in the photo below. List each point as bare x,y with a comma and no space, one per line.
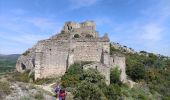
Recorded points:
62,94
57,90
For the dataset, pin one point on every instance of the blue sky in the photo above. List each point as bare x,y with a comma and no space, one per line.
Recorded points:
139,24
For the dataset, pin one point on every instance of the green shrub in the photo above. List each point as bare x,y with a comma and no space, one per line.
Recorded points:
26,53
136,72
88,91
92,76
75,69
22,77
70,80
115,75
112,92
72,76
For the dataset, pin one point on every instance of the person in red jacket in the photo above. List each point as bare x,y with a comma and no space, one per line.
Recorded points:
62,95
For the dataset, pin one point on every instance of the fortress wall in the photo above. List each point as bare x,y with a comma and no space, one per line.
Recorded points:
54,59
88,51
119,62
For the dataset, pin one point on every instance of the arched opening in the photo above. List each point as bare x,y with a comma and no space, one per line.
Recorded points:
23,67
76,36
96,67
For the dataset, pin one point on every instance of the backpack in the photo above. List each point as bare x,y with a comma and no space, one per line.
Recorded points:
57,89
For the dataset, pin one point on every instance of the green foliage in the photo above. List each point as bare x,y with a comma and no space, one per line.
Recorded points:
155,71
89,84
5,88
72,76
75,69
149,69
70,80
136,72
92,76
115,76
88,91
113,50
26,53
7,63
22,77
112,92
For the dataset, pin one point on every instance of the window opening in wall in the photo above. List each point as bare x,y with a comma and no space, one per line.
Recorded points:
23,66
96,68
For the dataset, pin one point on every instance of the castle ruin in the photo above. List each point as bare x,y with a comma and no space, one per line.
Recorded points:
77,42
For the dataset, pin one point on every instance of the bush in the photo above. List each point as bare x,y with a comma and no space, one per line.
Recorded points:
88,91
75,69
136,72
26,53
22,77
70,80
112,92
92,76
115,75
72,76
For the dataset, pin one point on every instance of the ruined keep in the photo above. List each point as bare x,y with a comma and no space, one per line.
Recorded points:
76,42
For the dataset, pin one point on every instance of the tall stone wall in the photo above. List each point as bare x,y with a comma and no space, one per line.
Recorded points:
119,61
52,59
89,51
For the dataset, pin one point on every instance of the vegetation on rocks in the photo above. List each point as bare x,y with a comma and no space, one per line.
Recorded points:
90,85
151,69
4,88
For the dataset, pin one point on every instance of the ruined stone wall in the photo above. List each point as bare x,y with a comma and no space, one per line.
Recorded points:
52,59
89,51
119,61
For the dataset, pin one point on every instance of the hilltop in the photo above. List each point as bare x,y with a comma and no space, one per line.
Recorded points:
88,66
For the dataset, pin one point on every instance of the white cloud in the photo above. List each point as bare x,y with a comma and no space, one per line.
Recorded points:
27,39
76,4
149,32
152,32
44,23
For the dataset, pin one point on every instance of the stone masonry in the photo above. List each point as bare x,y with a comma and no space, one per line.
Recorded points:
76,42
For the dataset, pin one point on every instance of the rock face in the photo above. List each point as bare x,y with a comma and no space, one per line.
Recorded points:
75,43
